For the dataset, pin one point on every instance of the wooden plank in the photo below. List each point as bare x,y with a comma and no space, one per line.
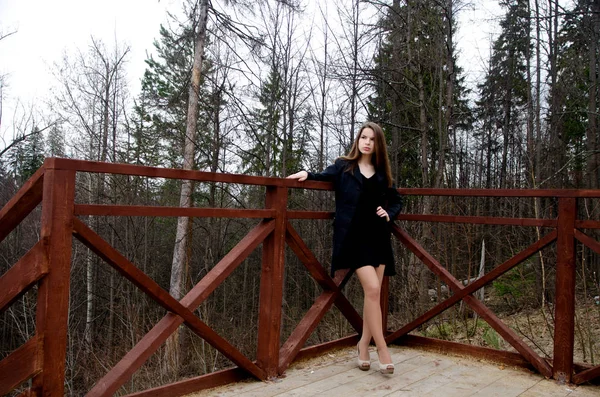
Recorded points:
271,285
172,173
19,366
23,275
321,348
587,224
474,286
448,347
196,384
152,289
586,375
589,242
564,319
154,211
589,193
320,275
479,220
309,322
137,356
52,310
228,264
22,203
294,214
507,333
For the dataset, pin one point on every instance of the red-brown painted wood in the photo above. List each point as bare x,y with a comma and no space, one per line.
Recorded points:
474,286
111,256
479,220
586,375
53,292
507,333
447,347
271,285
228,264
137,356
171,173
19,366
310,214
587,224
309,322
128,169
23,275
22,203
564,318
135,210
587,240
194,385
501,192
322,348
321,276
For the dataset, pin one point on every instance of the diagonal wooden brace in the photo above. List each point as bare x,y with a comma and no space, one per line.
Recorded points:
507,333
104,250
474,286
133,360
319,274
309,322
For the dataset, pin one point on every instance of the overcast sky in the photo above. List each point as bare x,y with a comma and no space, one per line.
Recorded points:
45,29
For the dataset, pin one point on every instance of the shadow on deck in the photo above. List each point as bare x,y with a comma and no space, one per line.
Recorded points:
417,373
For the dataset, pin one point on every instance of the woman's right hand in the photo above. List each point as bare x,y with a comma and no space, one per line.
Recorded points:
300,176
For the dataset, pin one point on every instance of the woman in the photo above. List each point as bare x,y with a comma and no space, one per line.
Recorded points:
366,201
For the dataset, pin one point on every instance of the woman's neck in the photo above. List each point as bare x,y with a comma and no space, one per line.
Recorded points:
365,159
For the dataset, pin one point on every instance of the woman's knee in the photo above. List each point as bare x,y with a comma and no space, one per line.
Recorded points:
372,290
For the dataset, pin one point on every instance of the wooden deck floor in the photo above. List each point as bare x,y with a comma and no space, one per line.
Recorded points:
417,373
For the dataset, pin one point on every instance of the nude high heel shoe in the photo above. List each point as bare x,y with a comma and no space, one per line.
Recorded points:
386,369
363,365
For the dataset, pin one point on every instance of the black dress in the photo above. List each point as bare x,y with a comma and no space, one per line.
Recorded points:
368,240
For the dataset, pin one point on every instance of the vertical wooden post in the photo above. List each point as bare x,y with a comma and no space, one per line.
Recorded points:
564,324
384,302
52,310
271,285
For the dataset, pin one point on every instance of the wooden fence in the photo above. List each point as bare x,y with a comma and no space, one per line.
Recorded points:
47,265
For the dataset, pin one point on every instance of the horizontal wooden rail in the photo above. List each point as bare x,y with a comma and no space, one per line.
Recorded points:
480,220
155,211
171,173
502,193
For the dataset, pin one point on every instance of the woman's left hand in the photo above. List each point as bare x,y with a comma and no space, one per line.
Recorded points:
383,213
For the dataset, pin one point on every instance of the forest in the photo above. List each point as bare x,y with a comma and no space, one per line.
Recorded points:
271,87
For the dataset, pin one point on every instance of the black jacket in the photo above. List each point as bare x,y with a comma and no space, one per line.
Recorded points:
347,185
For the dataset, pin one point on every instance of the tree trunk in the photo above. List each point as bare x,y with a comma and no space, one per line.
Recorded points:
592,163
183,223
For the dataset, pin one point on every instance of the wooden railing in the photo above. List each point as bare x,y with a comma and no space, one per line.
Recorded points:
47,265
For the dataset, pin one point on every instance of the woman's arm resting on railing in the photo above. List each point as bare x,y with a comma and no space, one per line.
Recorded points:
327,175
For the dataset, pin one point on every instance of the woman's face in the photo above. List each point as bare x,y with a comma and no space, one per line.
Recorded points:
366,141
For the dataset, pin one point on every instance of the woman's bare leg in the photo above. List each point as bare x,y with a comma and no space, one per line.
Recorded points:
370,279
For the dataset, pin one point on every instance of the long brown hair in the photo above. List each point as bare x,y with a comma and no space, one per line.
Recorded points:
379,158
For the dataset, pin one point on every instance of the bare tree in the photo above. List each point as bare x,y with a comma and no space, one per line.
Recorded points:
182,238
